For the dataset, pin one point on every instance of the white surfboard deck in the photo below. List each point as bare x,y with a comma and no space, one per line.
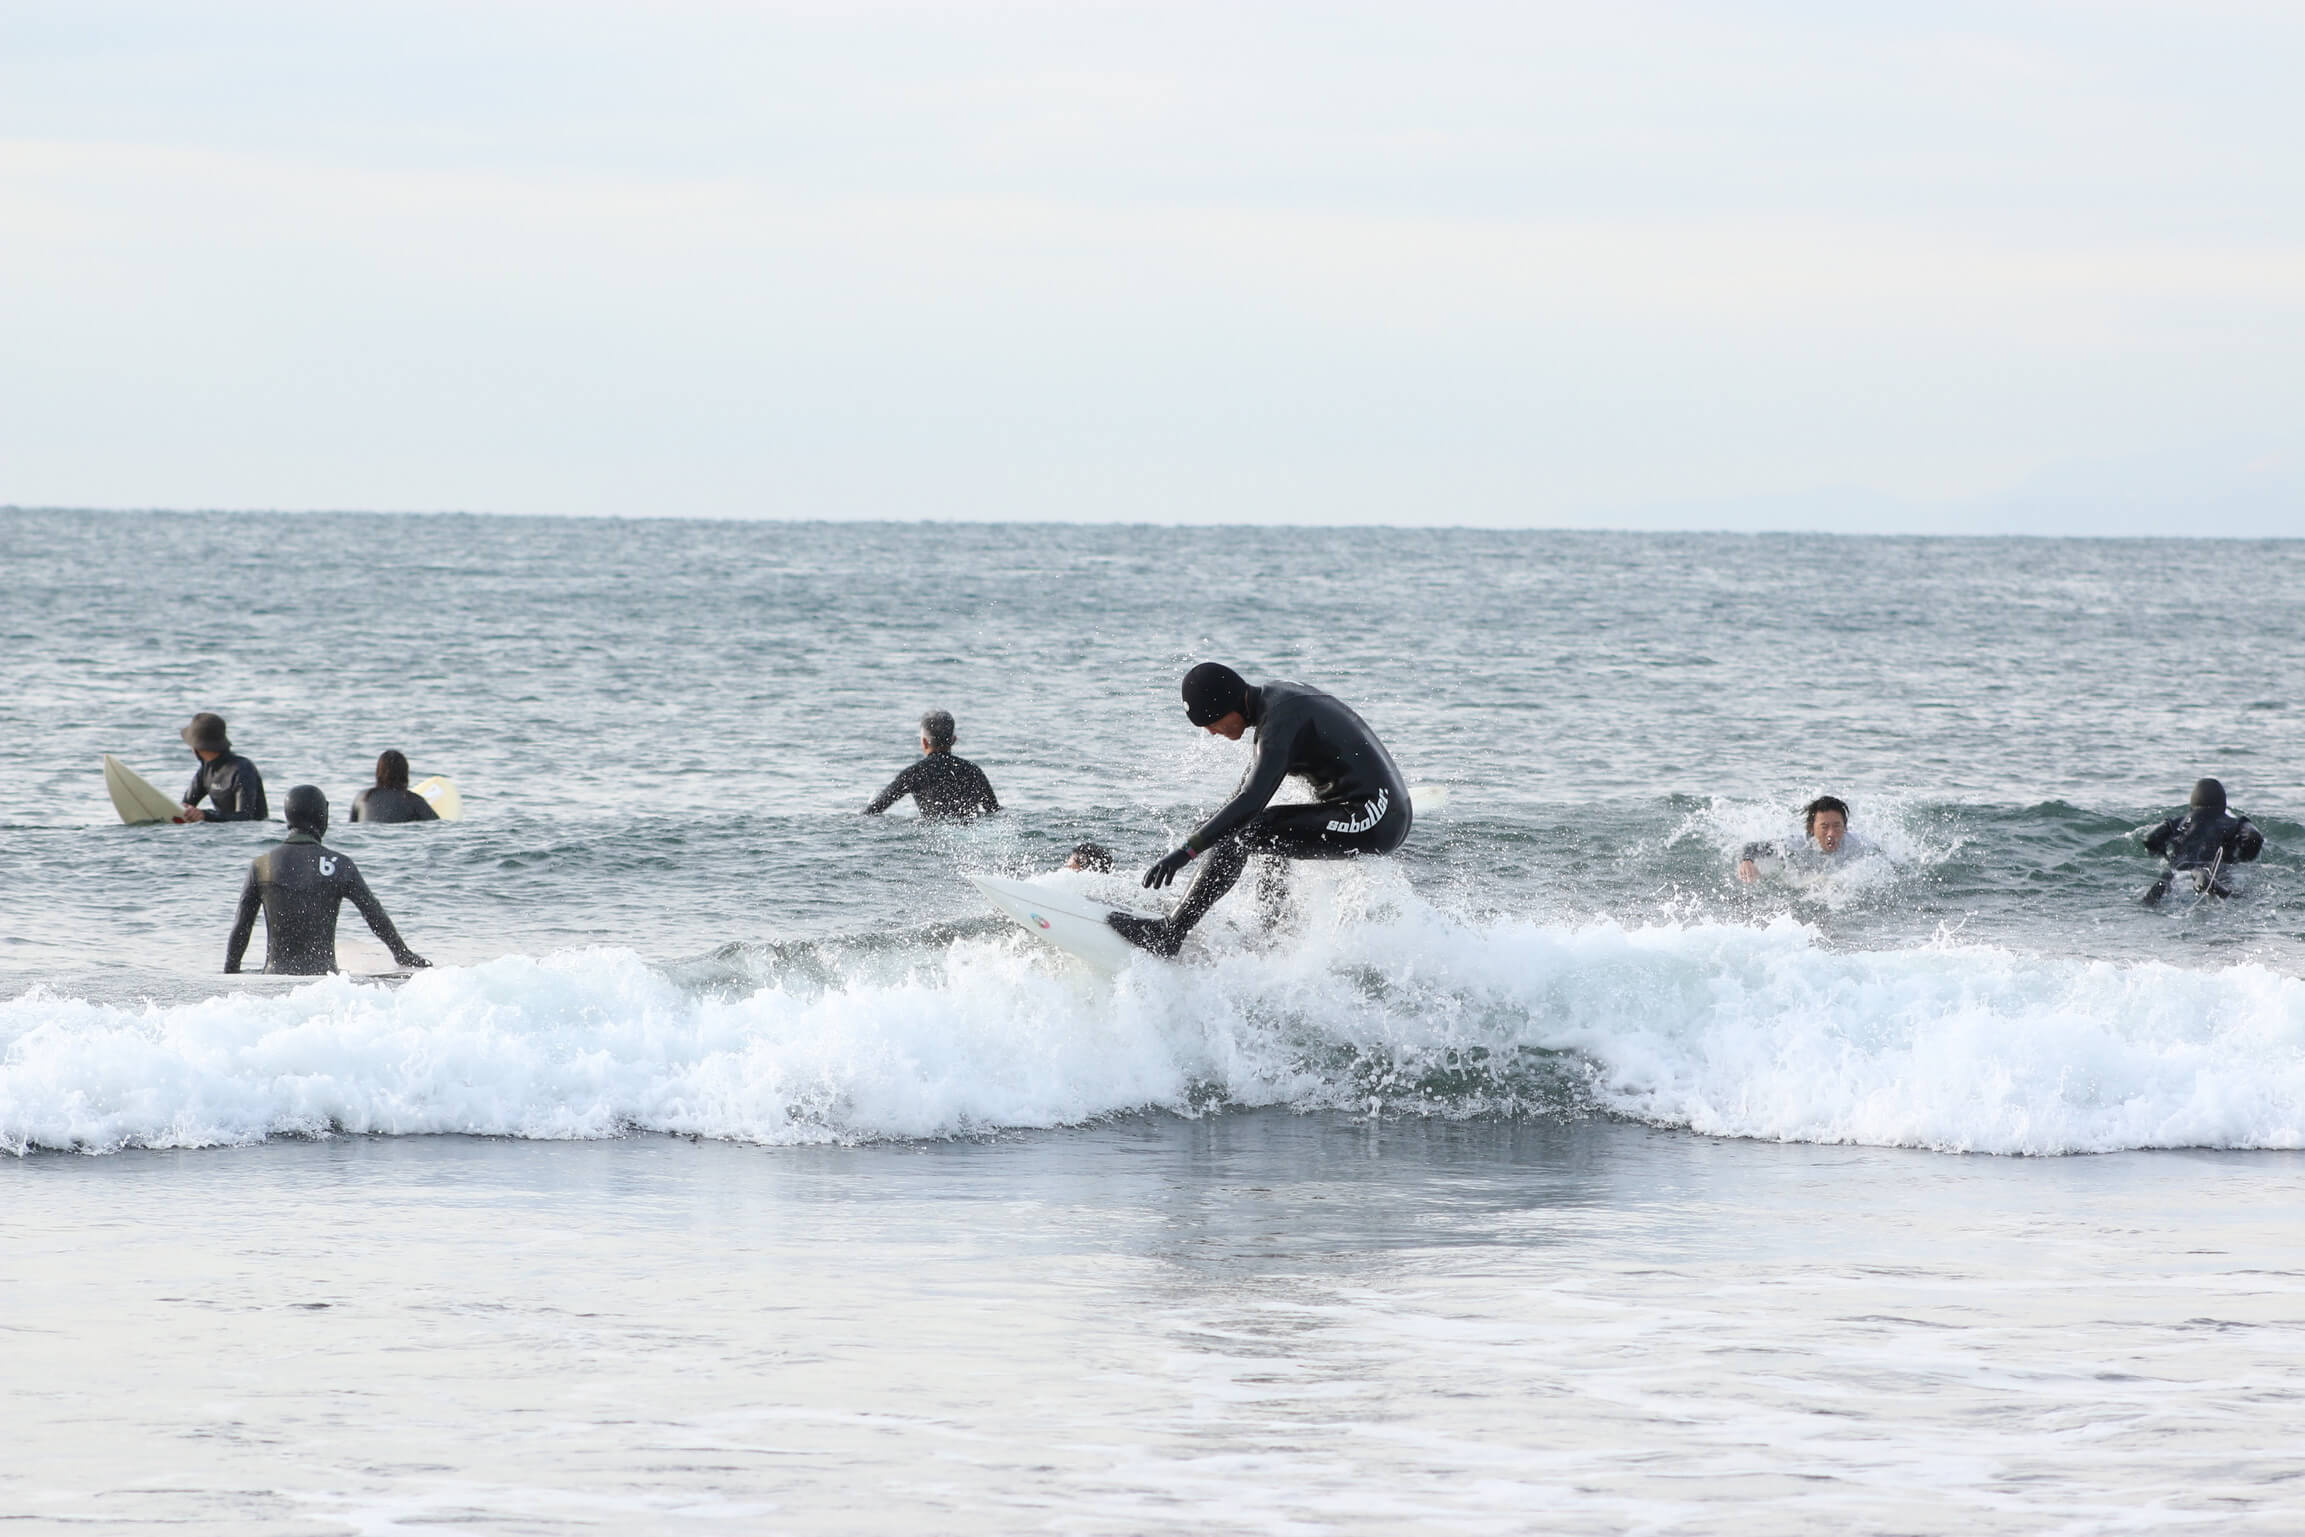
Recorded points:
136,798
441,792
1066,919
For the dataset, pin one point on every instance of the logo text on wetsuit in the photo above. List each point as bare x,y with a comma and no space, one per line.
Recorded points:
1373,812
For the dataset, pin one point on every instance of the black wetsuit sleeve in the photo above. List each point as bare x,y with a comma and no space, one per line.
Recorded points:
240,798
1276,741
2245,843
2158,838
356,888
358,801
988,801
244,922
898,788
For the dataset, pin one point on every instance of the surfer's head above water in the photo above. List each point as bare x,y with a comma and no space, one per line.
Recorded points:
938,731
1826,820
2208,795
308,810
1213,694
207,734
392,769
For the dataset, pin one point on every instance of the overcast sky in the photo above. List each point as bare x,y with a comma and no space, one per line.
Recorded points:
2015,265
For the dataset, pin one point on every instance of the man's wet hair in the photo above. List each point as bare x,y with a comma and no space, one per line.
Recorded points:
392,769
1092,856
938,727
1822,803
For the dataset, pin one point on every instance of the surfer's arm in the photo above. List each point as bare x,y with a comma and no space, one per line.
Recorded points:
898,789
244,922
2158,838
378,921
985,798
2246,843
1266,771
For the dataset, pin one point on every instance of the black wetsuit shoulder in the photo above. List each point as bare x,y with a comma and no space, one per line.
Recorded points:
298,886
941,785
234,789
2195,839
1316,737
379,803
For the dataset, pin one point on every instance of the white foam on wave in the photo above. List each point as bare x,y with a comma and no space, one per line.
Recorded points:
1380,1003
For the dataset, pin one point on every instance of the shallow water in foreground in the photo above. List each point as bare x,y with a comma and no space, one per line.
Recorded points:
1256,1322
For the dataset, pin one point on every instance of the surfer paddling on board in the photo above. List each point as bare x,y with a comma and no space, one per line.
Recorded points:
1363,804
299,884
2201,842
390,799
229,782
942,784
1826,821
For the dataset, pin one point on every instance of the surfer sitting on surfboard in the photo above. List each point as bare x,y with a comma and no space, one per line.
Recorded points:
299,885
2202,841
1363,805
942,783
390,799
235,791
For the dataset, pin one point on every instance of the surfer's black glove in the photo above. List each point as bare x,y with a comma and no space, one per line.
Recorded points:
1166,870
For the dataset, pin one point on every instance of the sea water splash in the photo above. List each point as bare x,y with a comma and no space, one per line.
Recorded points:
1375,1003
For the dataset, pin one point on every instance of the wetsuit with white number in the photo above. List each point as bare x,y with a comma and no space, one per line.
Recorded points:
299,886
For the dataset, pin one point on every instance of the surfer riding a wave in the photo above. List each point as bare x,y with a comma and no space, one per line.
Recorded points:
1362,805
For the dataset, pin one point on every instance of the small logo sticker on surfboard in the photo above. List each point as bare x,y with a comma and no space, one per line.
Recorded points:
1037,918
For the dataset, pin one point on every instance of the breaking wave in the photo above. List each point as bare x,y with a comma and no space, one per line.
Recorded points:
1376,1004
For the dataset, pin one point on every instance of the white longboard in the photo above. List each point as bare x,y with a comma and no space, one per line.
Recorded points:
136,798
1065,919
446,803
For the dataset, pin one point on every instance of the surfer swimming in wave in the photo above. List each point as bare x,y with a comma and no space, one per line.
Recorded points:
390,799
942,784
233,788
1363,804
1826,821
2201,841
299,884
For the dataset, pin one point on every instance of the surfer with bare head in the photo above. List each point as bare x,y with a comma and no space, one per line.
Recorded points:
230,784
390,799
1825,820
942,784
298,886
1361,804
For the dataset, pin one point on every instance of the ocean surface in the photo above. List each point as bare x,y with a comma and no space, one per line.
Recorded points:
1543,1176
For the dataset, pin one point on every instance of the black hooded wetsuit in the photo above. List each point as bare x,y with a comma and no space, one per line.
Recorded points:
381,803
299,885
1363,806
2194,842
941,785
233,787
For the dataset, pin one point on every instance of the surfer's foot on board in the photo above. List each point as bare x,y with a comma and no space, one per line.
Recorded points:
1153,934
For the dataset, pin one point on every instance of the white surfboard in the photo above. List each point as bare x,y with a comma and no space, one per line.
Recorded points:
1424,800
1065,919
441,792
136,798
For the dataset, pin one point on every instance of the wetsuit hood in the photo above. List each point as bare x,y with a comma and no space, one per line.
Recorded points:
2208,795
308,809
1213,691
